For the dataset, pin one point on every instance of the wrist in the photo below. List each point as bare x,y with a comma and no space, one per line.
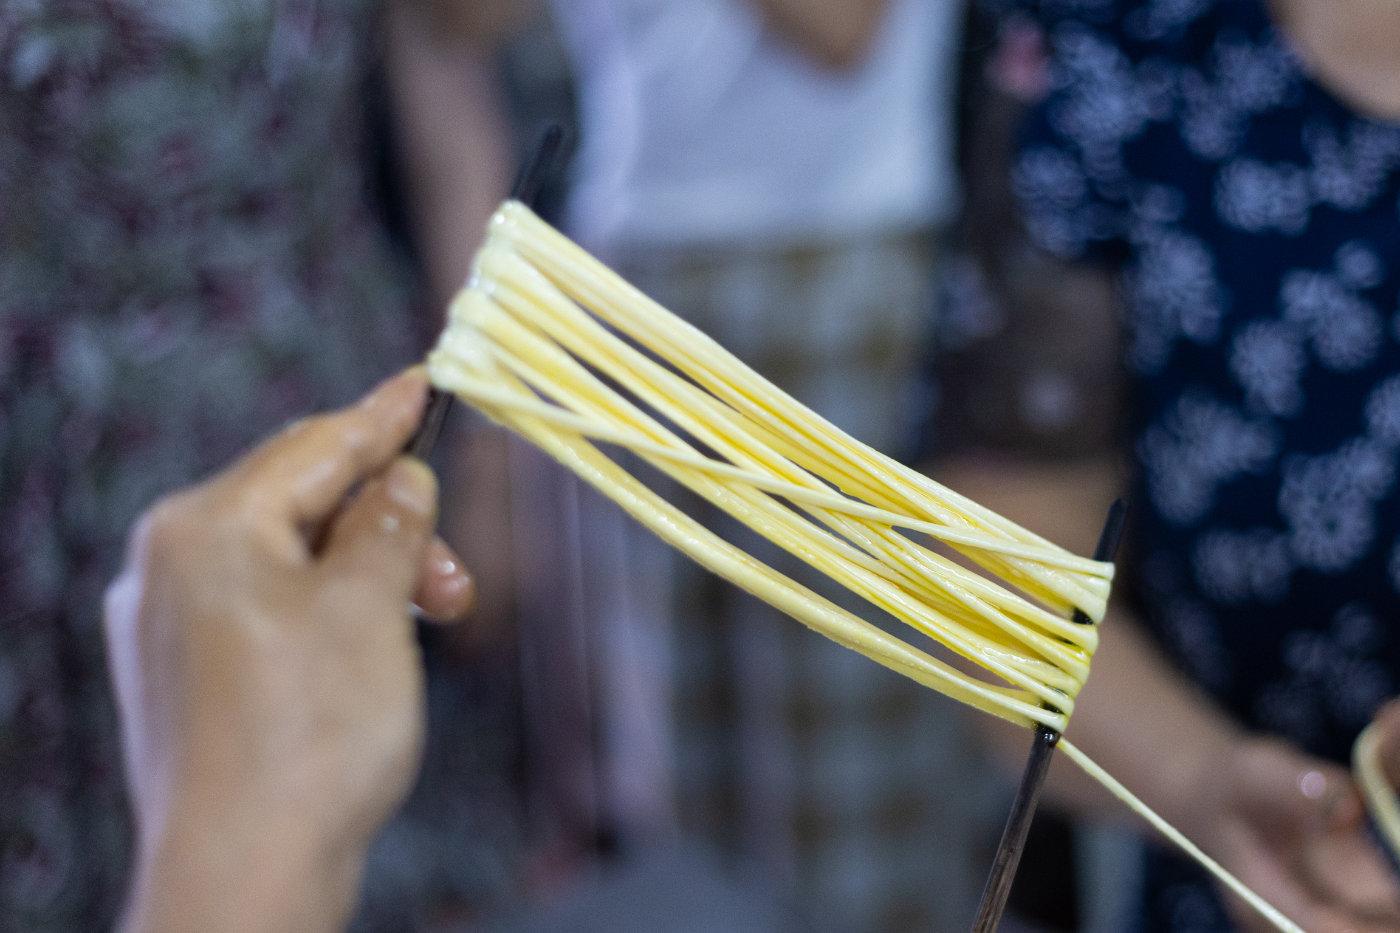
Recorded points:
1193,784
213,870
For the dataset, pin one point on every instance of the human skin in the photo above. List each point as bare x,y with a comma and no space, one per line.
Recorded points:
835,34
267,672
1290,826
270,690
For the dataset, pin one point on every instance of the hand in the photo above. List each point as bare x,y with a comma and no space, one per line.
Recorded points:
266,670
1291,827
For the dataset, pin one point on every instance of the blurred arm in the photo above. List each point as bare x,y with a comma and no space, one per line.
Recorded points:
1134,705
455,138
451,124
837,33
1289,825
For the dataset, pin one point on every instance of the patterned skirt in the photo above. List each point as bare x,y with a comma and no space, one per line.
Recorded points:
711,716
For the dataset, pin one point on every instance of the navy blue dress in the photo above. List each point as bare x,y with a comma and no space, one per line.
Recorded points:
1256,221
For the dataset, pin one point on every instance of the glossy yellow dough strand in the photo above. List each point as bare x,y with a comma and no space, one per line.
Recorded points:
1377,791
521,347
553,345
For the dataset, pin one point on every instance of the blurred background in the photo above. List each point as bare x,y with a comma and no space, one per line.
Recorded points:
217,216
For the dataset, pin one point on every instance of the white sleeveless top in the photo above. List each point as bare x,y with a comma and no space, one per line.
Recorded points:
701,126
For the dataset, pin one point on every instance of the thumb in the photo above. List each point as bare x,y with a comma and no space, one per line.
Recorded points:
381,537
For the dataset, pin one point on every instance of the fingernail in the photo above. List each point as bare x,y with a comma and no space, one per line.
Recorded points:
1312,784
412,485
454,586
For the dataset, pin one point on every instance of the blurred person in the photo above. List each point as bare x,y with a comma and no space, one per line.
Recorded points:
189,256
778,174
1025,365
1237,165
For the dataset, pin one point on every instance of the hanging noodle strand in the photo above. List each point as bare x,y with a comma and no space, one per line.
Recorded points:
553,345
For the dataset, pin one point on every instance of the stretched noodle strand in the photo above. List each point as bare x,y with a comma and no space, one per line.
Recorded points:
1376,789
553,345
1110,783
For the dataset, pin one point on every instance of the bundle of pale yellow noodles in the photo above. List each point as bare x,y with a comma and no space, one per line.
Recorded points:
553,345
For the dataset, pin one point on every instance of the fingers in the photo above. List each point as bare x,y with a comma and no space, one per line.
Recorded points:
1273,874
1351,873
446,592
1311,809
304,473
378,543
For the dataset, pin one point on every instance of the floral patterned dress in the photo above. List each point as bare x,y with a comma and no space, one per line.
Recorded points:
187,260
1256,220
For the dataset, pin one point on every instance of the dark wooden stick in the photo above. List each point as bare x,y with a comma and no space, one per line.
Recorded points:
1018,821
528,184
